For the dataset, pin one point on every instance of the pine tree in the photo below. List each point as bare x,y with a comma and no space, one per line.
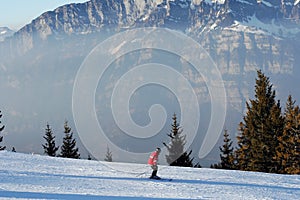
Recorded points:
177,156
277,127
226,156
108,155
216,166
288,151
68,149
262,125
242,153
184,160
1,137
49,147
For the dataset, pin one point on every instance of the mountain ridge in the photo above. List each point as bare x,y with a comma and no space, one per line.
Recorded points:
94,15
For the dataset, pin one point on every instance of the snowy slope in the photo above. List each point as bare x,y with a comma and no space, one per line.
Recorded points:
25,176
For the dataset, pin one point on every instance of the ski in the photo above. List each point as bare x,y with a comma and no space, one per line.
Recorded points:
165,179
161,179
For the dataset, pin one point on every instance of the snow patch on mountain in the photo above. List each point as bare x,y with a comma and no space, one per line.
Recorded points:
267,3
296,2
210,2
244,2
254,25
240,27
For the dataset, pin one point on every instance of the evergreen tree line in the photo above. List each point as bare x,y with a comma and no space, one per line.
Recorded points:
268,140
68,147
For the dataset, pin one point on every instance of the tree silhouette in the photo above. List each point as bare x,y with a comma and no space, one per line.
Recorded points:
177,156
1,129
108,155
227,158
49,147
68,149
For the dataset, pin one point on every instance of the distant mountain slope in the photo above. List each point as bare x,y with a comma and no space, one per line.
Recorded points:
41,177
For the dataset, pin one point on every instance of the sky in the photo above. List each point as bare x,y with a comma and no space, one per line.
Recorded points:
15,14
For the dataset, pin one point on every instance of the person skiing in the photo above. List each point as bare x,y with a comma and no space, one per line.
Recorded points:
153,162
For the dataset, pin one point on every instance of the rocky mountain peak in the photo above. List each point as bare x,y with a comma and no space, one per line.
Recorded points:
97,15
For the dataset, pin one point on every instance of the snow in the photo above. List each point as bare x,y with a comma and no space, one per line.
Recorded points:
267,3
25,176
242,27
296,2
211,2
215,25
254,25
245,2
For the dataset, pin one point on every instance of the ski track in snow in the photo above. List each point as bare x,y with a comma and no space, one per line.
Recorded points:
24,176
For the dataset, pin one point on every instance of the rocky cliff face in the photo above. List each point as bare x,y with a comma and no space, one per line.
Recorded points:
197,15
240,35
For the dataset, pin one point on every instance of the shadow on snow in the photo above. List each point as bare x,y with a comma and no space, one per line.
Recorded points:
185,181
35,195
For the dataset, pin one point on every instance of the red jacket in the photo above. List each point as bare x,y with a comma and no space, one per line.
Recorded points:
153,158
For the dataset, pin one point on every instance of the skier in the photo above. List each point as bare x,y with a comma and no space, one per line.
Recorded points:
153,163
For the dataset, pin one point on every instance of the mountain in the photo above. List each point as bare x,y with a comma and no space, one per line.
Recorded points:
25,176
278,18
5,32
39,63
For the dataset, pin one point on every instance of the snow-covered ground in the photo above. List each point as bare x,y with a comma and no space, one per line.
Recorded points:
24,176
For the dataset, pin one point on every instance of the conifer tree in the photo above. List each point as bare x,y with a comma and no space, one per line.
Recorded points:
49,147
263,124
216,166
226,156
288,151
242,153
68,148
276,126
177,156
1,137
108,155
